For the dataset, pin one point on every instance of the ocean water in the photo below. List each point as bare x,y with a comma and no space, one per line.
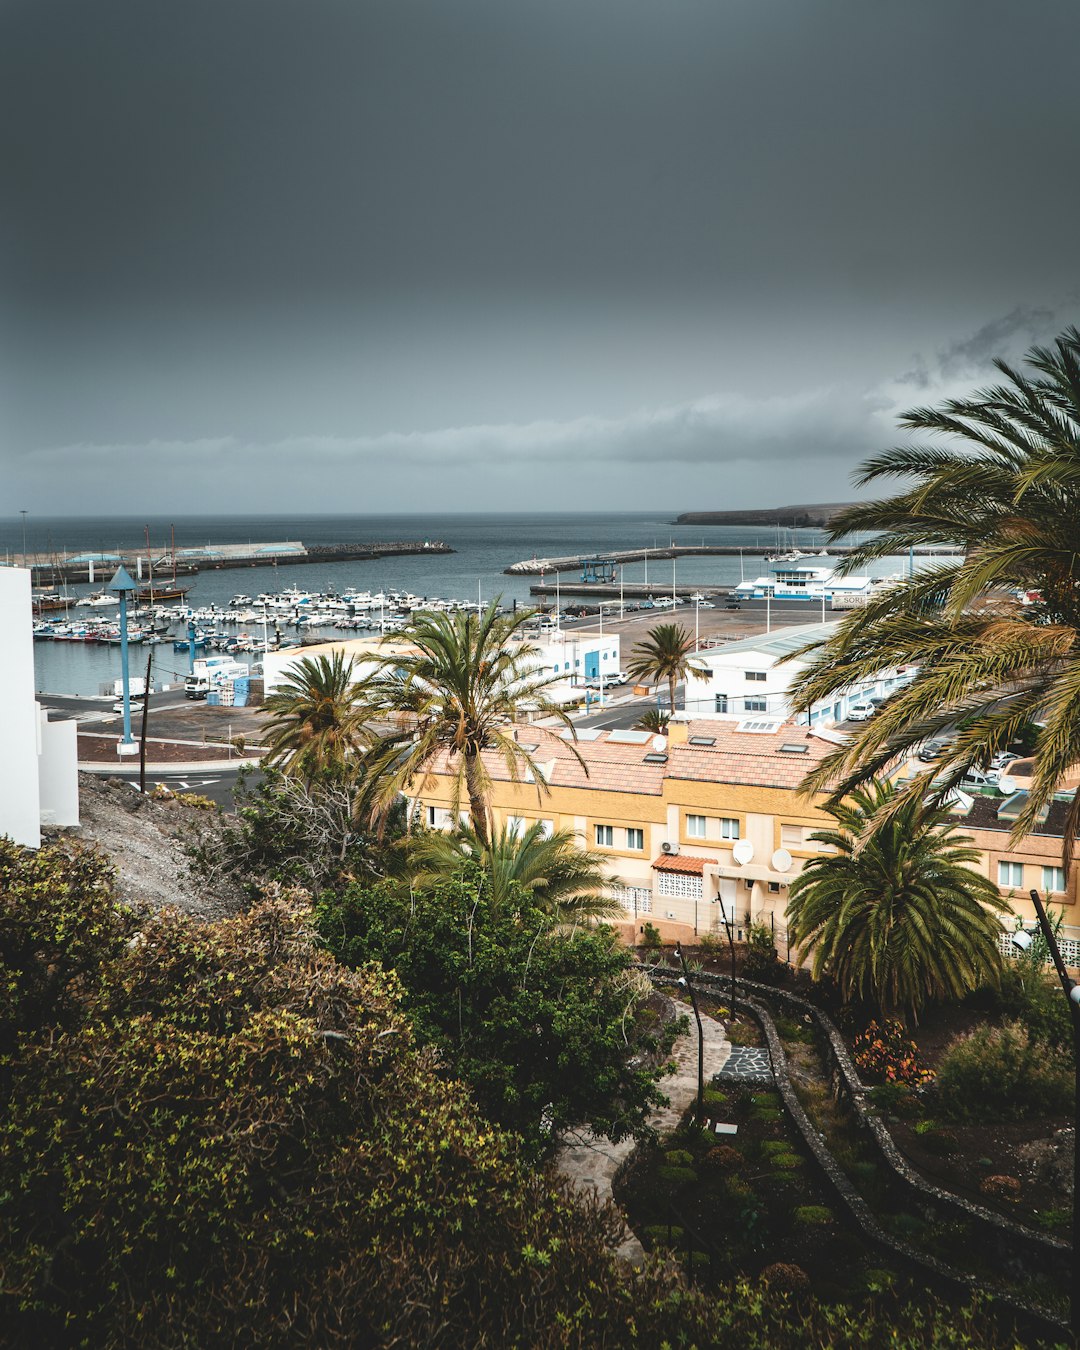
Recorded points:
484,545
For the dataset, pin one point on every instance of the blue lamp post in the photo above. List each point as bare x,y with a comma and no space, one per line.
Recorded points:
123,586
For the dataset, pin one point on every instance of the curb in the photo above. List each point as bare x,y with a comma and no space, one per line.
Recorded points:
188,766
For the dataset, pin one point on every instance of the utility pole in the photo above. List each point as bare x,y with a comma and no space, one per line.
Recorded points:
24,557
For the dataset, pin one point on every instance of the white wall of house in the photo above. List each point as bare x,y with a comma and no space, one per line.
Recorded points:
570,656
750,678
58,781
19,816
39,781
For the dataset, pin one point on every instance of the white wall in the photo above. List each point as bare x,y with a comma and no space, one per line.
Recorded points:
19,816
58,774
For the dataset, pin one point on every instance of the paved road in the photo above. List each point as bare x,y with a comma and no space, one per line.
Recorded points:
217,784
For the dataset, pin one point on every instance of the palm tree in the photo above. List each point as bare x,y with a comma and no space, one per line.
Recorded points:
654,719
664,655
316,716
564,880
456,690
995,633
895,914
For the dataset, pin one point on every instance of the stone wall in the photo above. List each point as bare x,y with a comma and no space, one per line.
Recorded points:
1022,1252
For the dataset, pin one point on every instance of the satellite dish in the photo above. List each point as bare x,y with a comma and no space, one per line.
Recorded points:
1007,785
781,860
659,743
742,851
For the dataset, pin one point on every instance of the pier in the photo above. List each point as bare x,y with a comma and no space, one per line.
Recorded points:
50,569
588,562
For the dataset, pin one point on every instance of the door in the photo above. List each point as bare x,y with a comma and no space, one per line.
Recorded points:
592,665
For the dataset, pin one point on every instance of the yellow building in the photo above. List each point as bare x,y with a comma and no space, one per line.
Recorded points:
708,823
695,828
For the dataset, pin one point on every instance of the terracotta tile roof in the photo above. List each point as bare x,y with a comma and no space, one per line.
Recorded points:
736,757
681,862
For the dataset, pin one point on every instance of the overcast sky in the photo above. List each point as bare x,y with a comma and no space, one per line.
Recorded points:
368,255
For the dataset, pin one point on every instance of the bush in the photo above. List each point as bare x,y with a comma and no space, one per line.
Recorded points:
677,1176
884,1054
761,962
812,1216
1001,1072
650,938
1001,1187
678,1157
715,1098
784,1277
724,1158
896,1098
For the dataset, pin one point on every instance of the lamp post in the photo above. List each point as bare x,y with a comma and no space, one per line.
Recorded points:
1072,992
700,1033
23,514
123,586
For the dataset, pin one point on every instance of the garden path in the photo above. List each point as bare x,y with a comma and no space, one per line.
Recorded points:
589,1162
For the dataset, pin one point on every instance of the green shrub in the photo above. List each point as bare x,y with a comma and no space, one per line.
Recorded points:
677,1176
771,1147
661,1235
786,1161
761,962
896,1098
715,1098
790,1030
765,1099
1001,1073
678,1157
650,938
812,1216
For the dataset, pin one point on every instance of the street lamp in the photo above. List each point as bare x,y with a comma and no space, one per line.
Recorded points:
685,981
1072,992
123,586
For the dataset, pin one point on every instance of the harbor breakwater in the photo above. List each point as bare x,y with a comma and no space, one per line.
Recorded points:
536,567
97,567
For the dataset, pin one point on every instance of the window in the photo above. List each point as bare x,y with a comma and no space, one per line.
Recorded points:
635,839
755,705
695,827
605,836
433,816
546,828
1012,873
1053,879
721,703
794,836
729,828
516,825
756,675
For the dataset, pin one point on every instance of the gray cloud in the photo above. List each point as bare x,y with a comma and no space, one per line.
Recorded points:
266,242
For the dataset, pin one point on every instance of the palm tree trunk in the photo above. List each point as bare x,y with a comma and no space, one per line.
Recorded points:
478,806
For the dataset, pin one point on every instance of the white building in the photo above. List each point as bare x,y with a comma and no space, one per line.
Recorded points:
39,775
746,677
570,658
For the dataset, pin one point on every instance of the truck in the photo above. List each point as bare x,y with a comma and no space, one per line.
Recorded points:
210,671
136,687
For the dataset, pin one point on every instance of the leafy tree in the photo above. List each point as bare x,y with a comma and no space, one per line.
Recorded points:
457,693
560,877
543,1023
895,914
296,832
316,725
1003,485
58,923
665,655
219,1136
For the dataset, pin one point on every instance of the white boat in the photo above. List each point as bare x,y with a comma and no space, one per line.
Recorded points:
100,600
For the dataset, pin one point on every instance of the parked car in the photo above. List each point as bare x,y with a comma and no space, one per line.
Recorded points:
137,701
931,750
733,604
980,778
861,712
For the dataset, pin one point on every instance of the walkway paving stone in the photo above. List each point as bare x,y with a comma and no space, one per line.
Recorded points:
746,1064
589,1162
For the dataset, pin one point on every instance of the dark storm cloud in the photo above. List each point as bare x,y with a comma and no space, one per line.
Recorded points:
481,234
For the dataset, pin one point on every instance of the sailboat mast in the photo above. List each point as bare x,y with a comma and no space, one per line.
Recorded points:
150,564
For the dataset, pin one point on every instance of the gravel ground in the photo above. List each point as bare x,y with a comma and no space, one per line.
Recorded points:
143,839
